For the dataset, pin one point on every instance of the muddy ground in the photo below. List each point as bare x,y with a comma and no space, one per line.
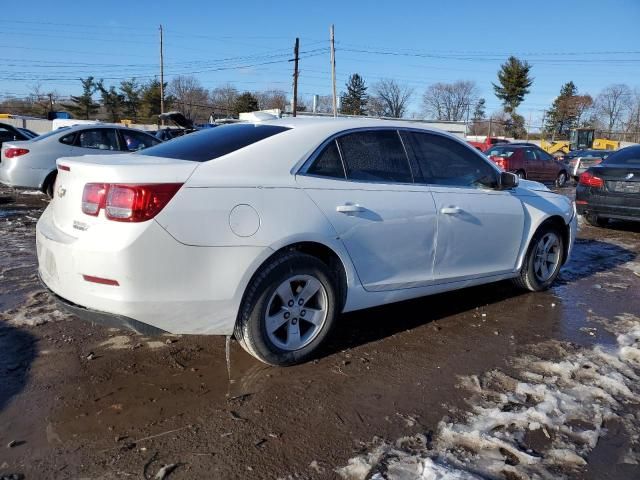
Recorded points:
82,401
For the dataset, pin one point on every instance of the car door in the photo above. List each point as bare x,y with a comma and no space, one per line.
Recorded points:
363,183
92,141
480,228
532,164
548,166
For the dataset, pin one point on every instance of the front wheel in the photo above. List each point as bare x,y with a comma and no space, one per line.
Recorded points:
561,180
543,260
289,309
521,174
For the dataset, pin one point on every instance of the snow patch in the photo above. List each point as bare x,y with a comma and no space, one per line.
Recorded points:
539,423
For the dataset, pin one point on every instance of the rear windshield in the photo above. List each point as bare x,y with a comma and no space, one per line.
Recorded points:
500,152
213,142
626,156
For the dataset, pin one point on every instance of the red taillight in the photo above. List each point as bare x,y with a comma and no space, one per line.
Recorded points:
93,198
127,203
590,180
15,152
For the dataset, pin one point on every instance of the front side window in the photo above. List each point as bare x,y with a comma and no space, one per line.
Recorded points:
98,138
328,163
375,156
444,161
134,141
542,155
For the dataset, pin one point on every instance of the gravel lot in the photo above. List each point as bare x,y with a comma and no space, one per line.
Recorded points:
459,384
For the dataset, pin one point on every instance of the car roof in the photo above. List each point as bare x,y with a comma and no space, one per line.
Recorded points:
344,123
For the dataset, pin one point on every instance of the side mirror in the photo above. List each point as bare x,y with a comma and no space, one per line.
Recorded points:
508,180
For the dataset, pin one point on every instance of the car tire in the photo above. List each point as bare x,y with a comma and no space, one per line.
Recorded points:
543,261
596,220
561,180
275,297
49,184
521,174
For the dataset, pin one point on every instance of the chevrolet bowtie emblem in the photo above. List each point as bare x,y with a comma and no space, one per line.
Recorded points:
62,192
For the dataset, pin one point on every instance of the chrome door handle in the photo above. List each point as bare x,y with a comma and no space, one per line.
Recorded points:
349,209
450,210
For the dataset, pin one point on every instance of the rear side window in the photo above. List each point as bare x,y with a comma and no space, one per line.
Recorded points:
444,161
99,139
500,152
68,139
213,142
375,156
328,163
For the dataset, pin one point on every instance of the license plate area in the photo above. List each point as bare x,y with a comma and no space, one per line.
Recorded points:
624,187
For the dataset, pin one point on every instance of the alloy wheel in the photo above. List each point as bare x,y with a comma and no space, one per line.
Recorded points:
296,312
547,256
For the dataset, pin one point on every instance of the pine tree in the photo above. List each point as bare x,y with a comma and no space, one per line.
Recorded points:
245,102
566,110
83,105
112,101
354,101
514,83
131,92
150,100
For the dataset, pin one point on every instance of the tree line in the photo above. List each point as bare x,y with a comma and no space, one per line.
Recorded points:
615,111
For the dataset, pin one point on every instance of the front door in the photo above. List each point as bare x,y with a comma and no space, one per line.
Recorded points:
363,184
480,228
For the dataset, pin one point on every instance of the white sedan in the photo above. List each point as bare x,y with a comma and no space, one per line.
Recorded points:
269,230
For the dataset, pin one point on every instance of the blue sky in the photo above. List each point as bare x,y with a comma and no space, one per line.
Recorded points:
247,43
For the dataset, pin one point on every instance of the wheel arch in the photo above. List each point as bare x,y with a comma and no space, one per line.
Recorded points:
329,255
49,179
558,222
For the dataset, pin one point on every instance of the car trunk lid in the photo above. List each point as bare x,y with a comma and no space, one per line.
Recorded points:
74,173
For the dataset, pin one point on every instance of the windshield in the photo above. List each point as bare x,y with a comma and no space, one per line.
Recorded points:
504,152
49,134
213,142
627,156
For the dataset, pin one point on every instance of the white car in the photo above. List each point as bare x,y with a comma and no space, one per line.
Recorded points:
269,230
31,163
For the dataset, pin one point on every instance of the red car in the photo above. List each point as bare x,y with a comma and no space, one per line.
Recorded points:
530,162
487,143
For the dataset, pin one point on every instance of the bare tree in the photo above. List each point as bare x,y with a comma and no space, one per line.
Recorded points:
391,98
270,99
224,99
325,104
611,104
190,97
449,101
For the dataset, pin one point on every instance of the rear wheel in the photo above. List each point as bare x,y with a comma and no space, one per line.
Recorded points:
521,174
561,180
596,220
49,184
543,260
289,309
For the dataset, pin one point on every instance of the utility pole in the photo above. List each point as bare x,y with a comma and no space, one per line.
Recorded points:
161,75
333,72
296,51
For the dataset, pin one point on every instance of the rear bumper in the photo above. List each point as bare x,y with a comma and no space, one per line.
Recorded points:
15,175
162,284
606,205
103,318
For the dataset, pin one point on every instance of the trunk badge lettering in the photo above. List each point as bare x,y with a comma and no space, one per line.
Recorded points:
80,226
629,176
62,192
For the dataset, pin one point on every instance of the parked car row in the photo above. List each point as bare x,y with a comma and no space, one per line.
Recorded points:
31,163
530,162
